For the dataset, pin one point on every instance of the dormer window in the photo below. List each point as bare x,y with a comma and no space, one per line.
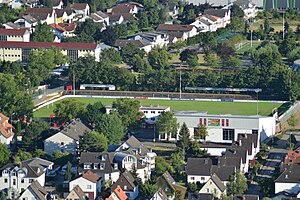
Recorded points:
87,166
102,165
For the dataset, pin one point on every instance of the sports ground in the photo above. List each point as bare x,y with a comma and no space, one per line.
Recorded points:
234,108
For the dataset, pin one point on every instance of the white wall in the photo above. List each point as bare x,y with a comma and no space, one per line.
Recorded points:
197,178
5,140
214,151
60,142
292,187
28,195
83,184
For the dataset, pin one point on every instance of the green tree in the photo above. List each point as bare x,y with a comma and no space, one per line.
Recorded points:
4,154
177,161
212,59
293,121
109,36
143,20
233,61
148,189
13,98
128,52
60,58
94,112
195,148
68,109
68,175
266,26
94,142
21,156
158,58
288,44
89,30
111,55
161,166
3,196
237,184
184,138
33,134
267,186
201,132
192,60
128,110
167,124
192,187
112,127
43,33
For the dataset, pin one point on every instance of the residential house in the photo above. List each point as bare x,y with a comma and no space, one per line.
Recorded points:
247,197
44,15
292,157
109,165
146,46
188,30
67,139
58,4
206,23
197,196
288,181
173,9
137,148
34,191
249,8
16,178
117,194
61,15
100,17
214,186
16,4
128,184
21,35
167,183
63,30
11,25
26,21
159,195
116,19
198,169
89,182
223,16
6,130
127,8
76,193
155,38
31,3
82,9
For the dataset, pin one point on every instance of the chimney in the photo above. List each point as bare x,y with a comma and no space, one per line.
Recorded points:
240,142
206,161
246,136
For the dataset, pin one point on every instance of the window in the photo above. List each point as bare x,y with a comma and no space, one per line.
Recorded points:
215,190
192,178
207,190
73,54
25,54
228,134
22,181
145,111
125,187
153,112
62,143
255,131
3,37
14,181
30,180
202,178
5,180
153,119
88,187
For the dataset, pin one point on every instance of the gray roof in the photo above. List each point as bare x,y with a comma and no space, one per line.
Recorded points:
218,182
75,129
206,22
38,190
169,178
223,172
125,179
246,197
199,166
198,196
101,14
242,3
291,174
216,12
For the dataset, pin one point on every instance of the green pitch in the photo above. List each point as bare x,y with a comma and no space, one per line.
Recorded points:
234,108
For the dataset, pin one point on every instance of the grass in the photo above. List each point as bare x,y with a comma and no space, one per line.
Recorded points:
275,23
247,46
174,59
234,108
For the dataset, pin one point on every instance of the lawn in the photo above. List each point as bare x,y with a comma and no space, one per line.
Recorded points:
275,23
174,59
235,108
247,46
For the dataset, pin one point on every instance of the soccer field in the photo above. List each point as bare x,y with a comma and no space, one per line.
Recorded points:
234,108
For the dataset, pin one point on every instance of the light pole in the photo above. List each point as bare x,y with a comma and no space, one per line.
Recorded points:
180,81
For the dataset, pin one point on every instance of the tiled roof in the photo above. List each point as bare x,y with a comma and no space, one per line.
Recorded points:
218,182
199,166
292,157
125,179
291,174
38,190
122,8
71,27
4,31
6,129
39,10
174,27
78,6
37,45
79,192
119,193
216,12
91,176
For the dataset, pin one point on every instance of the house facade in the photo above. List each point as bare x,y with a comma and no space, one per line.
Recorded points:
214,186
222,15
89,182
34,191
6,130
80,8
67,140
288,181
18,35
188,30
19,51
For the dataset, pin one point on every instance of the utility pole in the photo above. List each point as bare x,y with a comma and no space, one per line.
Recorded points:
283,26
73,82
180,81
251,38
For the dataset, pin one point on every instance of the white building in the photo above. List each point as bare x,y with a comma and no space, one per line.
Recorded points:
16,178
89,182
187,30
34,191
213,186
288,181
67,140
6,130
19,35
82,9
225,128
206,23
222,16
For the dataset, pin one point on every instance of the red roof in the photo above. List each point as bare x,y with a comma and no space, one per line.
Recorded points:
4,31
38,45
119,193
5,127
292,157
91,176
